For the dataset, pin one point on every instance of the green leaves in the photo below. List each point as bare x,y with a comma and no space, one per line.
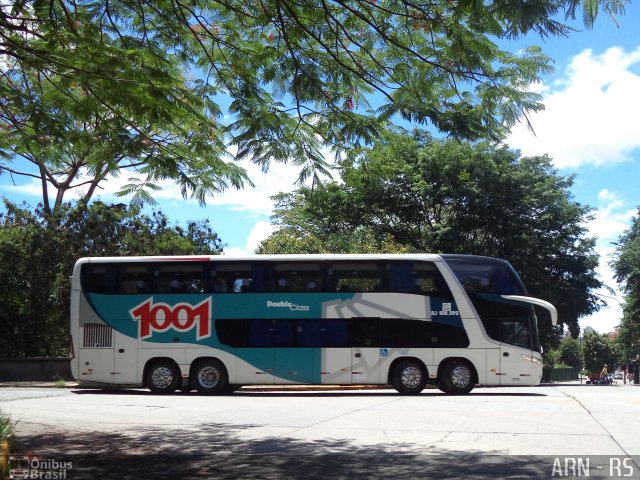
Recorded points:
626,265
279,80
38,250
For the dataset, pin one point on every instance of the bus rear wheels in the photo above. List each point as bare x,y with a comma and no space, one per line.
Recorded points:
163,376
457,378
209,377
409,377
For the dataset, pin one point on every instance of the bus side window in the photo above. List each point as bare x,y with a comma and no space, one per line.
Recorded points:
220,283
430,282
322,332
133,278
99,278
365,332
422,278
295,277
358,277
516,332
180,278
242,277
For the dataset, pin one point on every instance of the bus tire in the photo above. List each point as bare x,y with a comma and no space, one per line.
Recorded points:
457,378
163,376
409,377
210,377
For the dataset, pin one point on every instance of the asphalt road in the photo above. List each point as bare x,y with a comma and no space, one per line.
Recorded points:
531,432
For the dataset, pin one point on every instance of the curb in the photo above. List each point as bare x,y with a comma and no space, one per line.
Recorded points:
246,388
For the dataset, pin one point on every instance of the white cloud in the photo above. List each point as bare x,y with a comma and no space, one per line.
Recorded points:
260,231
611,219
590,114
279,178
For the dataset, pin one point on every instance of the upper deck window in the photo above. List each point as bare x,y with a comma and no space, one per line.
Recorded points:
296,277
480,275
358,277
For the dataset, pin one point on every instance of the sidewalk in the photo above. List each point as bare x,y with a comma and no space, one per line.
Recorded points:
38,384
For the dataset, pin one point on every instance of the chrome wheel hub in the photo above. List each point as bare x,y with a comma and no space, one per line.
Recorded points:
411,377
208,377
162,377
461,376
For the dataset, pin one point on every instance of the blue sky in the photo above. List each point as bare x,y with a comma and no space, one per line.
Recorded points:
590,128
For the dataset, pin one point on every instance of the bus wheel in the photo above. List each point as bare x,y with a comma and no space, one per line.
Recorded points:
210,377
409,377
163,377
457,378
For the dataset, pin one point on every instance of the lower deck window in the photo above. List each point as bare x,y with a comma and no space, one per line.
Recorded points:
339,333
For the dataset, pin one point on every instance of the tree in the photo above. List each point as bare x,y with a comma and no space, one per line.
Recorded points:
55,128
37,259
296,232
626,265
599,350
445,196
571,352
290,75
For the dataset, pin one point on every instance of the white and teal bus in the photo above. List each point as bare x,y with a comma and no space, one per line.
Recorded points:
215,323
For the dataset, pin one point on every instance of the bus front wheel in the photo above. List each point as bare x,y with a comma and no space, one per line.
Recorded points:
210,377
409,377
163,377
457,378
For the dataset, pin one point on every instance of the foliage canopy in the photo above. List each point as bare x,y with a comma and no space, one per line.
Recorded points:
88,88
627,270
37,258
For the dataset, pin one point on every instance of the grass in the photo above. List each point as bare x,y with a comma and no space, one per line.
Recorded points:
7,427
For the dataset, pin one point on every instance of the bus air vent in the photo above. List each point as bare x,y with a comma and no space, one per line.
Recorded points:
97,335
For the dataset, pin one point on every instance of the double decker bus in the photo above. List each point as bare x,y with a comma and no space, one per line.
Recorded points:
216,323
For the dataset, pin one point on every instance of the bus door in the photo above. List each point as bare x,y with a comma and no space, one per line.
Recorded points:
365,350
296,365
324,344
515,353
276,356
336,366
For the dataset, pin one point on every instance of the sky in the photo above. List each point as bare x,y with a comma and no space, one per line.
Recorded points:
589,128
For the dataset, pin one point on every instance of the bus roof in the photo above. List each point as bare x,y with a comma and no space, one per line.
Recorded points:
249,258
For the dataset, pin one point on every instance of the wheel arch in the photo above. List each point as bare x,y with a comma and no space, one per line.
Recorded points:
221,384
153,361
398,360
445,361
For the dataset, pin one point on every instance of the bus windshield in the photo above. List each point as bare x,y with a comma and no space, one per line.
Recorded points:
489,282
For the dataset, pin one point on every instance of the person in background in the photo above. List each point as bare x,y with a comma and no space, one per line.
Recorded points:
604,371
